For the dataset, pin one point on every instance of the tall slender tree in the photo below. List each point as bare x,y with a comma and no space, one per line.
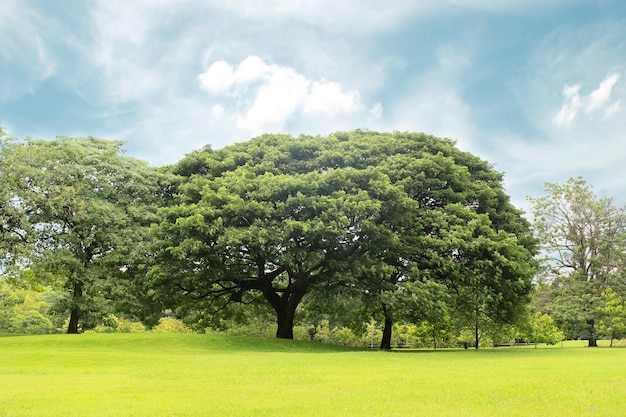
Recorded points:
584,241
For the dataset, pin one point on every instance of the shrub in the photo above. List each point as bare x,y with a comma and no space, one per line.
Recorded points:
27,322
304,332
346,337
170,325
114,324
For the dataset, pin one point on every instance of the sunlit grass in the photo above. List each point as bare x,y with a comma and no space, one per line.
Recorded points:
208,375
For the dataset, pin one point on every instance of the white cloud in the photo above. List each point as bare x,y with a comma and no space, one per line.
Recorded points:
574,102
143,49
433,107
268,95
600,96
612,109
327,97
219,77
276,101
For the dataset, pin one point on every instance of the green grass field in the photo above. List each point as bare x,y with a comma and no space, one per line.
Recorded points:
152,375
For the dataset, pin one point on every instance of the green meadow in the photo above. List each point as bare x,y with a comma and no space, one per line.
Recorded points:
213,375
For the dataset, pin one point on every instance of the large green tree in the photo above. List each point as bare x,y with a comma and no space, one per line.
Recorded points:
584,242
271,235
79,209
278,217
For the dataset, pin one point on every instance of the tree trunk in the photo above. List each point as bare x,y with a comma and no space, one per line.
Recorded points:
285,317
285,308
592,333
385,342
476,335
72,328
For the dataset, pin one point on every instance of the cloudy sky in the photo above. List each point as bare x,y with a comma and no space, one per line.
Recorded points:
535,87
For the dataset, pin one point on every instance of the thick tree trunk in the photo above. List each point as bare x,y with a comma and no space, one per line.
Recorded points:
385,342
285,308
285,319
72,328
591,326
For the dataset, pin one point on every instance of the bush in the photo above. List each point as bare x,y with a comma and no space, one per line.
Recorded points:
114,324
346,337
170,325
27,322
304,332
336,335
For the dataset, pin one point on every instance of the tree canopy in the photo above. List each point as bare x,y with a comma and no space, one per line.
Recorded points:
77,209
278,217
389,227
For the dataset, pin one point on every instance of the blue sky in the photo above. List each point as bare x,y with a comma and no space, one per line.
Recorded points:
535,87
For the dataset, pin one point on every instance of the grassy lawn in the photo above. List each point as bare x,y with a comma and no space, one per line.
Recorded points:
207,375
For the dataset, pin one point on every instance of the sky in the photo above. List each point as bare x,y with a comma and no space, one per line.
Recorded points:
535,87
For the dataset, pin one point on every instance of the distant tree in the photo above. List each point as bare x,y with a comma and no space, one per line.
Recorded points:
23,311
543,330
584,241
77,208
612,315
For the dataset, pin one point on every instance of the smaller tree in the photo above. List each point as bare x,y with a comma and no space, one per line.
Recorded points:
612,316
77,209
584,241
544,330
23,311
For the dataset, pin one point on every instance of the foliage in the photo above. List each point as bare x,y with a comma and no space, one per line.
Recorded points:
612,315
584,242
544,330
25,322
278,218
353,228
114,324
170,325
258,326
77,209
23,311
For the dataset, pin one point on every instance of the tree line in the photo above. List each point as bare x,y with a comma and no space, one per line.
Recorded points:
349,229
